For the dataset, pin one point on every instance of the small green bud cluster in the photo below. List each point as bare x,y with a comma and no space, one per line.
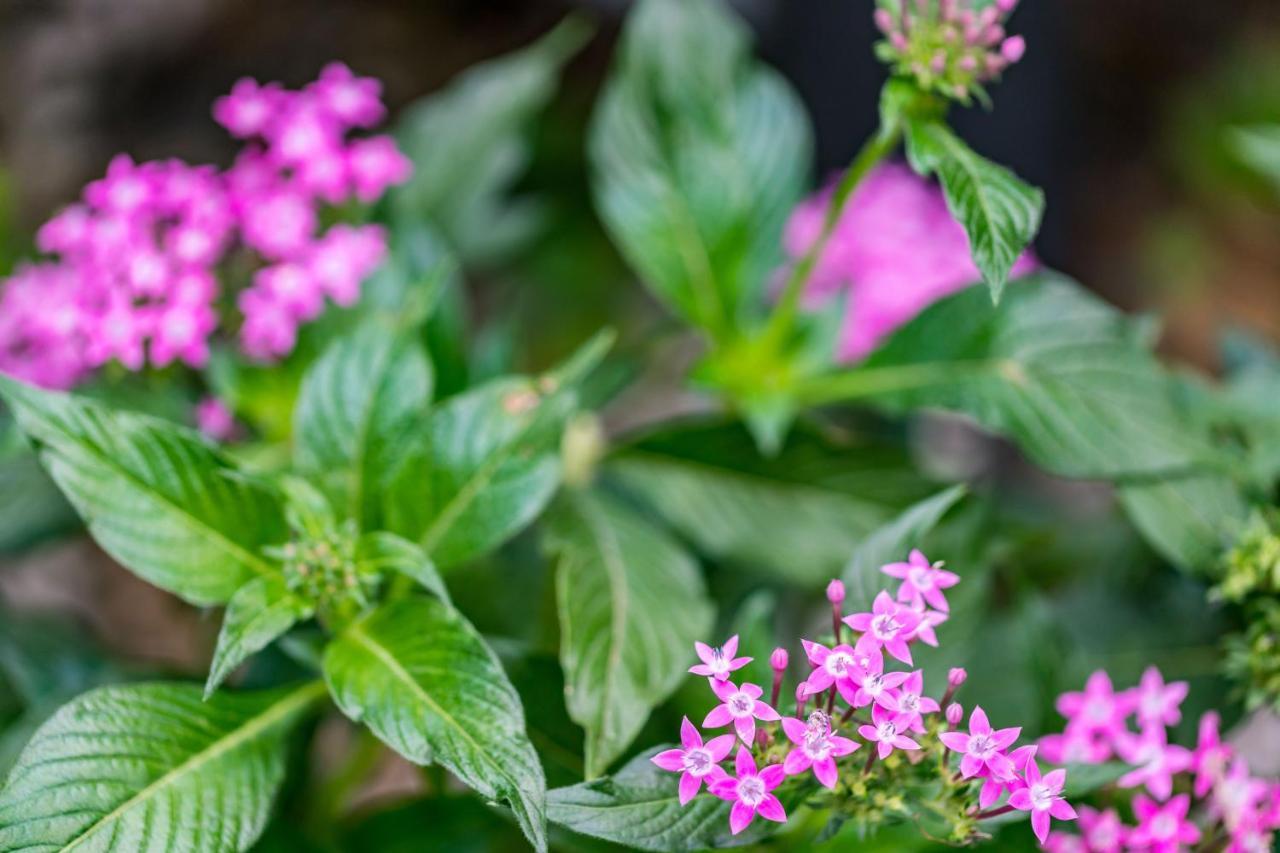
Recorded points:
320,565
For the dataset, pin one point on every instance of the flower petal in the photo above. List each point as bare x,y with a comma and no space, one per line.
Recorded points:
826,772
773,776
794,729
1021,799
1062,810
958,741
755,691
978,722
689,787
739,816
743,763
689,735
723,689
746,729
705,653
718,717
1040,825
730,647
720,747
1004,738
765,712
796,762
671,759
725,789
770,808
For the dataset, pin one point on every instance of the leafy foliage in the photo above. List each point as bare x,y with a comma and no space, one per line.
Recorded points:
258,613
631,605
152,767
423,680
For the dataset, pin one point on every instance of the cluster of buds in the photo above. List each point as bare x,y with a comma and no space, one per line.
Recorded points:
908,738
134,274
1185,797
320,566
948,46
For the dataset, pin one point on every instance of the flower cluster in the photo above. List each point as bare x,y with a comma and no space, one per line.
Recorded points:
895,250
134,274
1186,797
948,46
851,683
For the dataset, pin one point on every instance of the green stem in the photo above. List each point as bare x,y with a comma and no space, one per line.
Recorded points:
870,381
873,151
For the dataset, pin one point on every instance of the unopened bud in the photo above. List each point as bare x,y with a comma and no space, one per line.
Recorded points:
956,676
1013,48
939,62
835,592
802,691
1006,6
884,20
778,660
955,713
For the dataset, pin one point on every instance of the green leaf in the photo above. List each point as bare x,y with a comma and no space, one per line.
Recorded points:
1189,520
357,404
708,483
892,543
381,551
32,509
156,497
631,604
257,614
486,462
151,767
1000,213
1258,147
417,673
470,142
698,154
1052,367
640,807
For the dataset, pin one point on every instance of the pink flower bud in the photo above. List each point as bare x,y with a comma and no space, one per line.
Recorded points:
835,592
778,660
1013,48
884,20
802,691
899,41
955,713
956,676
1006,6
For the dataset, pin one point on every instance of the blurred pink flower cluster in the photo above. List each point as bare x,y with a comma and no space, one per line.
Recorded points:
1216,797
895,251
134,269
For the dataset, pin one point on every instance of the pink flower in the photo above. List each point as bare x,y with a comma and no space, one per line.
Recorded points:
912,702
353,101
1237,797
1155,702
875,685
215,419
270,330
831,666
718,663
983,747
1157,761
1043,798
376,164
895,250
1209,761
125,189
929,620
1099,709
1162,828
344,257
751,793
696,761
1074,746
1013,48
293,288
303,132
181,330
742,707
815,746
279,224
118,332
887,732
993,789
1102,831
249,109
922,580
889,624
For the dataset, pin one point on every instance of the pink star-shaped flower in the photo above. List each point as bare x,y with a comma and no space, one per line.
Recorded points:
912,701
1043,798
1162,828
1098,709
816,746
983,747
1102,831
1211,756
887,732
751,792
718,663
889,624
740,706
1157,762
1156,702
696,761
922,581
993,789
836,666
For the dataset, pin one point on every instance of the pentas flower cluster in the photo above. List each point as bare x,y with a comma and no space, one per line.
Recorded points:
951,47
134,275
895,250
1184,797
860,702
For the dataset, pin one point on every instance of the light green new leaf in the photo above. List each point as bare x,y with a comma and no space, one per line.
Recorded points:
382,552
698,154
1189,520
151,768
156,497
1052,367
485,463
257,614
631,604
471,141
708,483
355,410
999,212
419,675
639,807
891,544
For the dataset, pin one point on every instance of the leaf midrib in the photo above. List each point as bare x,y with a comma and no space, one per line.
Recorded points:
256,725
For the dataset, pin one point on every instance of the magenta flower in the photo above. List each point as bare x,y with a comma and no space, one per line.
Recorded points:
1209,761
876,686
836,666
922,581
1074,746
697,761
993,789
215,419
249,108
1238,798
1162,828
816,746
718,663
376,164
889,624
1098,709
1043,798
751,792
887,732
1157,761
742,707
1157,702
1102,831
353,101
929,620
912,702
983,747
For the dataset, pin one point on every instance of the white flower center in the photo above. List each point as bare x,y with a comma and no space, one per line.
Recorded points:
885,627
981,746
920,578
838,664
1164,826
909,702
698,761
1042,796
751,790
886,732
741,705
